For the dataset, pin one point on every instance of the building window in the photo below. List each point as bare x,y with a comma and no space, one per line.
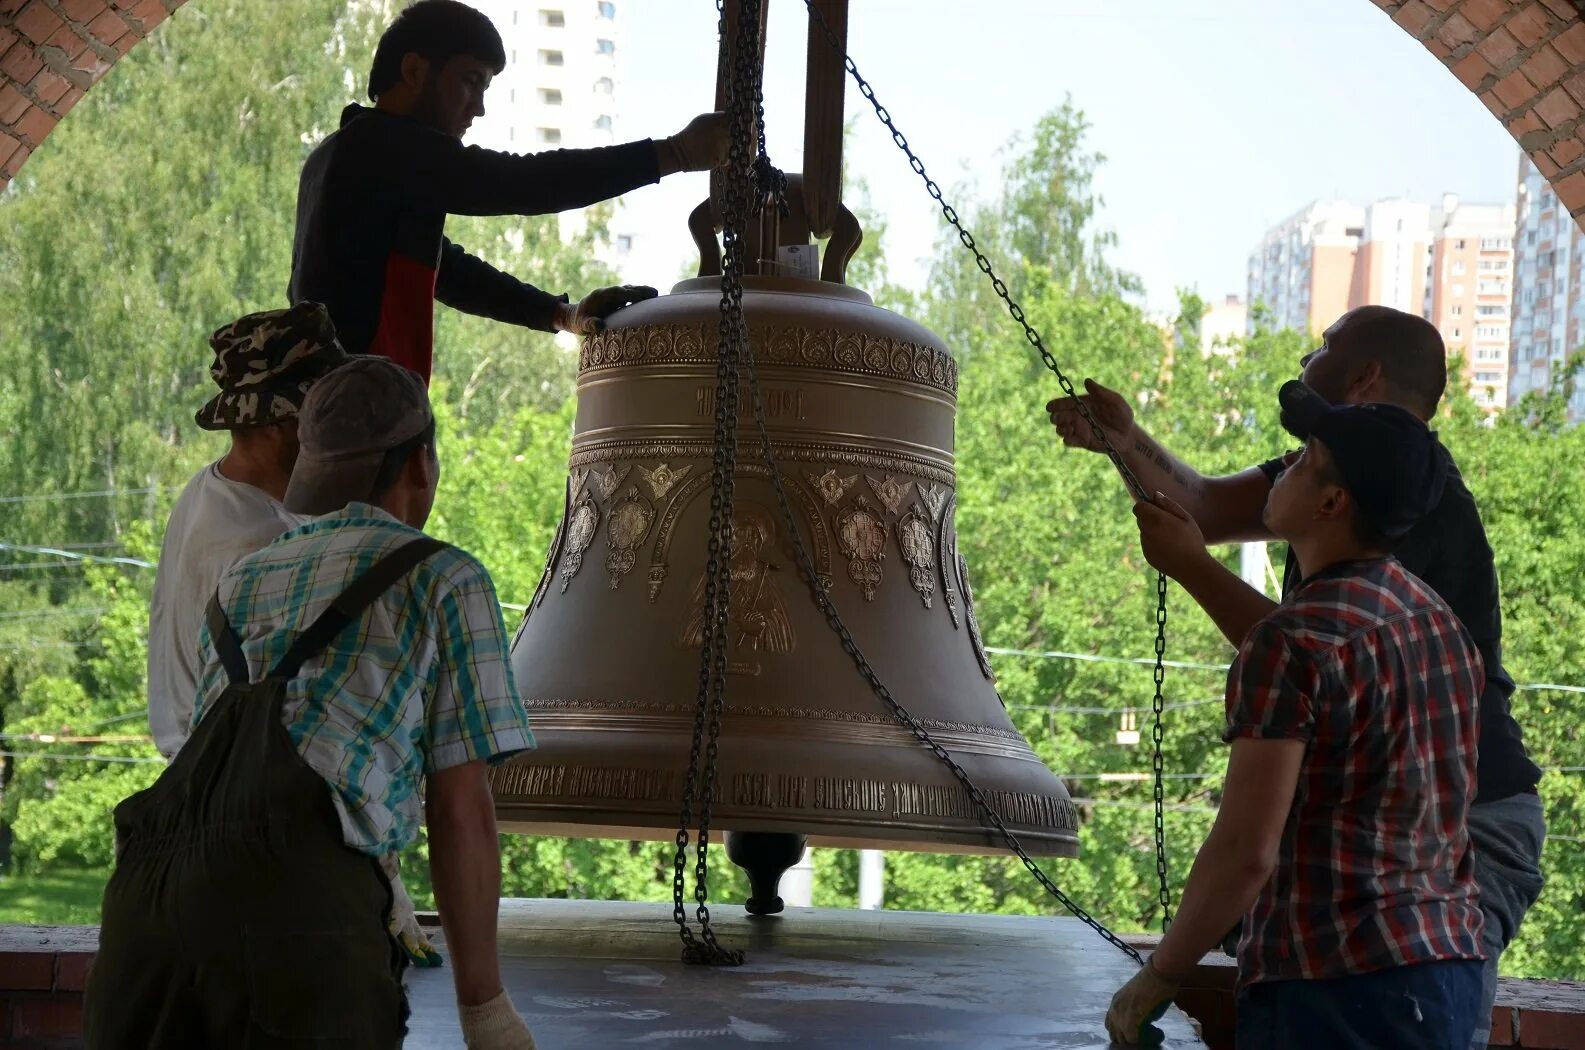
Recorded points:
1458,266
1491,288
605,47
551,58
1453,334
603,122
1488,353
1488,377
1490,310
550,96
624,242
1459,245
607,10
1490,331
605,85
1493,265
552,19
1495,244
550,136
1457,311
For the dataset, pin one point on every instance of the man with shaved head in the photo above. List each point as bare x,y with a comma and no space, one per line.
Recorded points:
1373,354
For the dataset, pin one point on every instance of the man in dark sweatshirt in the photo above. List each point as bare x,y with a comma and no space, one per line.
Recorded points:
374,196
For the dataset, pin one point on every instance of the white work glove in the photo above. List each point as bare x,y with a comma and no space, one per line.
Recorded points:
587,315
704,144
494,1025
404,923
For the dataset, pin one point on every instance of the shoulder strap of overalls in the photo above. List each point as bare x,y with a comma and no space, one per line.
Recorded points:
226,641
351,603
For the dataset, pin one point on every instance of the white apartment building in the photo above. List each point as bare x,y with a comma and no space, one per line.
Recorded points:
561,84
1302,268
1548,305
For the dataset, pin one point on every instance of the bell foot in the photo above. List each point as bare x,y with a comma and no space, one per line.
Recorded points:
765,857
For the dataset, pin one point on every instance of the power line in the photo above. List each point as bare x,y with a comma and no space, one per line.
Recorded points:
79,758
1091,658
54,610
43,497
1060,709
95,559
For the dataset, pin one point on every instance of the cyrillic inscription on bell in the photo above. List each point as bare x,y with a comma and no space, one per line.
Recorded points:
859,403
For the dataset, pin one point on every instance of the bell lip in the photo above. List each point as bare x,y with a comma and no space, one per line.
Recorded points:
797,285
563,821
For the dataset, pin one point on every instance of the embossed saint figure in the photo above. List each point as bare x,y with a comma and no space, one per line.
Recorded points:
757,616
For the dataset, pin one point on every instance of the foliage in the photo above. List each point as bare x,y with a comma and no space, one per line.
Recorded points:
163,208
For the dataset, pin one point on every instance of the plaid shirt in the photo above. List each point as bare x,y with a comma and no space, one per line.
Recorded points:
1364,663
421,683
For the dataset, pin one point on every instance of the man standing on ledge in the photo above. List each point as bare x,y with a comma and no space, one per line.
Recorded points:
373,198
1352,711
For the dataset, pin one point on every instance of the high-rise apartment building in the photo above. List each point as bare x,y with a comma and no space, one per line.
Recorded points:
562,76
1304,267
1451,263
1469,292
561,83
1548,307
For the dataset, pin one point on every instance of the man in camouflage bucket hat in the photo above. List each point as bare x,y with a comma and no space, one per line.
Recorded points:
265,364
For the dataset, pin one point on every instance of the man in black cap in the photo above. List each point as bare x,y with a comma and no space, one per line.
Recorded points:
374,196
1341,836
1372,354
354,681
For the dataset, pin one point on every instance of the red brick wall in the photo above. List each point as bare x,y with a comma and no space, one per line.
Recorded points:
43,971
1525,59
51,53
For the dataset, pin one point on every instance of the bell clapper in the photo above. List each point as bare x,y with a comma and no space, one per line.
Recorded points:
765,857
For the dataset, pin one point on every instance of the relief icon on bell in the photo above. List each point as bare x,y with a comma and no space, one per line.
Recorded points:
756,614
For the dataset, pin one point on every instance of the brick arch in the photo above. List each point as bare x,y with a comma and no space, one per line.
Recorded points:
1525,59
51,53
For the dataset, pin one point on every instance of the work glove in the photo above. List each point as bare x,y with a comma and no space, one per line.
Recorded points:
587,316
404,923
704,144
1137,1005
494,1025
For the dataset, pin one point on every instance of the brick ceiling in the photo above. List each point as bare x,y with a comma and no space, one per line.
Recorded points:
1525,59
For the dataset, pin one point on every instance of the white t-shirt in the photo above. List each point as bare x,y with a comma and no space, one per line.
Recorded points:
215,522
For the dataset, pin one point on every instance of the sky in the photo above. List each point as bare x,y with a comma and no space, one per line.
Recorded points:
1217,118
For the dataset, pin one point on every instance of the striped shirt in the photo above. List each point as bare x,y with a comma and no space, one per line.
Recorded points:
1367,665
421,683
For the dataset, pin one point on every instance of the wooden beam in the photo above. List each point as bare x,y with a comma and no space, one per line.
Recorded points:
823,98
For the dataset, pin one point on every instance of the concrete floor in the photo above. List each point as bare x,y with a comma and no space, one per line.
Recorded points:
593,974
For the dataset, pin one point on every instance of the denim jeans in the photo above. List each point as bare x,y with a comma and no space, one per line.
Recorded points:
1507,836
1428,1006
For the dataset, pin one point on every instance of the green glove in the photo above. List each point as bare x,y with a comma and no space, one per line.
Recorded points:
1137,1005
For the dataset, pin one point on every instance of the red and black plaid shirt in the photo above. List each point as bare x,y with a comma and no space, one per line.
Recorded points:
1367,665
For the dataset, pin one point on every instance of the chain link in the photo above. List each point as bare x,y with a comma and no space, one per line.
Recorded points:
742,84
1129,478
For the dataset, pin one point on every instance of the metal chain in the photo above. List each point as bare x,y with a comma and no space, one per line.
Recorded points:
1129,477
731,338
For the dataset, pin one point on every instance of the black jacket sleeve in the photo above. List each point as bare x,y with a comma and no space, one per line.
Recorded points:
468,283
438,172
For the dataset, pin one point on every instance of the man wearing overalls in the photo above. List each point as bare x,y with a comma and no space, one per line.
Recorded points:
348,666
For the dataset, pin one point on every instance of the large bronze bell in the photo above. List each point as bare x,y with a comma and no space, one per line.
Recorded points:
860,405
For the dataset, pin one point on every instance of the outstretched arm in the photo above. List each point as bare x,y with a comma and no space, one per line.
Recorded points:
1226,508
1173,544
466,282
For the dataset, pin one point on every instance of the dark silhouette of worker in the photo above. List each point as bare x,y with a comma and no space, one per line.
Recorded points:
374,196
